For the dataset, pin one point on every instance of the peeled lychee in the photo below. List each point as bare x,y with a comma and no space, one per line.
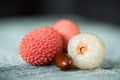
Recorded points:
40,46
87,50
67,28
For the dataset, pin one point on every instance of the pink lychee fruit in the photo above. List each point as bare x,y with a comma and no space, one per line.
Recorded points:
40,46
67,28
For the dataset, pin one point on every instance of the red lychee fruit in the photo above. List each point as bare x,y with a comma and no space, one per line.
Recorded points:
67,28
40,46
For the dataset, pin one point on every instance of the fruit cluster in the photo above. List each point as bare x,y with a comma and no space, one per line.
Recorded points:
63,44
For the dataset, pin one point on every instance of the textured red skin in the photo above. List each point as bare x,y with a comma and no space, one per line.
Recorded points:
67,29
40,46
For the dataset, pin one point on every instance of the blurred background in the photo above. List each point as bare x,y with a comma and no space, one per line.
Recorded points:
17,17
103,10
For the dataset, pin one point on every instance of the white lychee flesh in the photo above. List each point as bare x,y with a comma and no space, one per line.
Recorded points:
87,51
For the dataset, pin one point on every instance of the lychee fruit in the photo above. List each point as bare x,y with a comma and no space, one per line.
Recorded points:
40,46
67,28
87,50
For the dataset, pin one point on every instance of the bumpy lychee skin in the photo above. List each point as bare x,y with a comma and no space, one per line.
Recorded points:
67,28
40,46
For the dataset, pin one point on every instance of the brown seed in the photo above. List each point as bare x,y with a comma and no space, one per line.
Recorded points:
63,61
